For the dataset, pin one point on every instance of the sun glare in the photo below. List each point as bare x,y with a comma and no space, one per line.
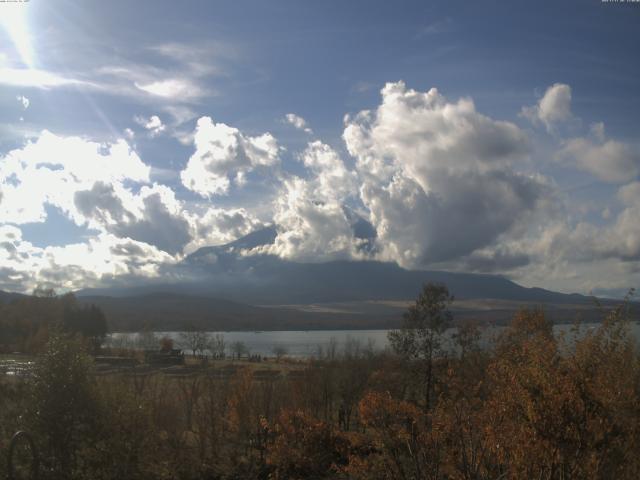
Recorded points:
13,17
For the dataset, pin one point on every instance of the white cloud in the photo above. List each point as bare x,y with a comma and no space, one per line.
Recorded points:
298,122
24,101
608,160
311,219
180,114
51,168
553,108
311,227
153,124
99,260
93,184
442,184
216,226
564,254
174,88
330,175
224,155
433,171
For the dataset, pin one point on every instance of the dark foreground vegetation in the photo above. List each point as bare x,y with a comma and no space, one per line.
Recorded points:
533,407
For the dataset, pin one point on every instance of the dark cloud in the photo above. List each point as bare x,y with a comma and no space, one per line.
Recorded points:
159,227
101,204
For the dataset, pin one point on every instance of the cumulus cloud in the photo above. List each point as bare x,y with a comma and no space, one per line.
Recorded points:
153,124
217,226
102,204
298,122
329,173
434,182
224,155
51,168
154,216
311,227
105,187
611,161
621,240
312,221
553,108
161,222
433,171
565,251
97,261
608,160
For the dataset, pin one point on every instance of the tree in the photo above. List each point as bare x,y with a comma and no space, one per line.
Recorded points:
467,337
166,344
304,447
420,336
196,340
397,445
147,339
239,348
279,351
89,321
217,345
63,403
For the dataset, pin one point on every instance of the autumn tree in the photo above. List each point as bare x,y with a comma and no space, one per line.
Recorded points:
304,447
421,334
63,402
398,445
561,410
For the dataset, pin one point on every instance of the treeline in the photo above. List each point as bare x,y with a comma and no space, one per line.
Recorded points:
25,322
533,406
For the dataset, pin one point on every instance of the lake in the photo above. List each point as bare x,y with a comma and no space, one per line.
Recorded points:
305,344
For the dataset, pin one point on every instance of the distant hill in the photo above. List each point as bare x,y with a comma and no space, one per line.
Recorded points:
6,297
171,312
227,272
224,288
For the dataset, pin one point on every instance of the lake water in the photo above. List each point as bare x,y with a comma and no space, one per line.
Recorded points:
305,344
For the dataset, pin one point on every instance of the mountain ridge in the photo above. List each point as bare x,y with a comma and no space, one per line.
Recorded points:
226,272
223,288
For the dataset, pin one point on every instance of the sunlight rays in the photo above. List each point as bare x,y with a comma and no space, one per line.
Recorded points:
14,21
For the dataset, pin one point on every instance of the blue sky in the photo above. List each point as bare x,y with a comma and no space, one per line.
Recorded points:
193,123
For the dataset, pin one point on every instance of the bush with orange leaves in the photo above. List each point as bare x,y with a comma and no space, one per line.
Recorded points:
303,447
400,441
564,410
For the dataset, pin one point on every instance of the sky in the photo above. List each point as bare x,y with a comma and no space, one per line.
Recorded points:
490,137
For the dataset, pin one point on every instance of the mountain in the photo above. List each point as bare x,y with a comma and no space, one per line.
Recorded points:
226,272
222,287
7,297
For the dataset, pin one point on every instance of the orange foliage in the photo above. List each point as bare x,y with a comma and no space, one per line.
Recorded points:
304,447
